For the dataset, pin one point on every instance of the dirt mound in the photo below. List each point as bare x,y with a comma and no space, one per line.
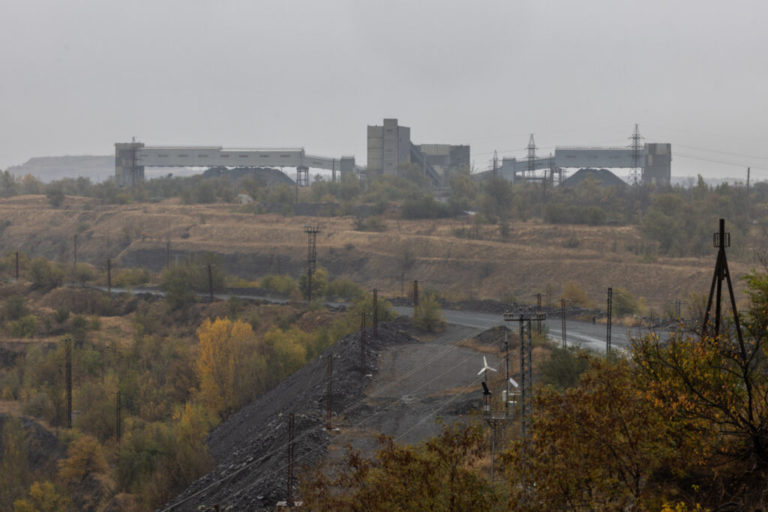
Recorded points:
251,446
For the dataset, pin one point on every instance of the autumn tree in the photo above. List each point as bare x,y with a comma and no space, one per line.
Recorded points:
441,474
229,364
597,446
721,383
14,467
42,497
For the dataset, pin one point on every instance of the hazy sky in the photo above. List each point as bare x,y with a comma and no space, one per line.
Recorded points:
78,76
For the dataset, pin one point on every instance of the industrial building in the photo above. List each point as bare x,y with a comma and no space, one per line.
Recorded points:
653,160
390,146
132,157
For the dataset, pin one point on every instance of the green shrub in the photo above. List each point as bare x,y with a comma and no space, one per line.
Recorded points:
343,289
280,284
563,368
15,308
23,327
427,314
45,275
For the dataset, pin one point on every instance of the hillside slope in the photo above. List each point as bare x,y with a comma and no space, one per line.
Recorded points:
535,258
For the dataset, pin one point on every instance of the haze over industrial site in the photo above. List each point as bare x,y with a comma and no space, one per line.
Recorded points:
312,74
353,256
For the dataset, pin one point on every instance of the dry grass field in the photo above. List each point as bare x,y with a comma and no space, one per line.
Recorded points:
534,257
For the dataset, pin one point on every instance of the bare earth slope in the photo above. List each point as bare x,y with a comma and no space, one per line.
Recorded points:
534,257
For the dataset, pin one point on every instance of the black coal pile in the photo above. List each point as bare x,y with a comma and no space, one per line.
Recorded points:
251,447
43,449
602,177
265,176
495,336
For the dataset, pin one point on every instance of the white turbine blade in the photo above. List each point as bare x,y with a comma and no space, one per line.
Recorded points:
481,371
512,381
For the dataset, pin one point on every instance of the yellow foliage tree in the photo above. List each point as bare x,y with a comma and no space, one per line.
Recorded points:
85,457
228,364
42,498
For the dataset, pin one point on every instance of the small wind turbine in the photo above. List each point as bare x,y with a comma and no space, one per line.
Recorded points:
484,370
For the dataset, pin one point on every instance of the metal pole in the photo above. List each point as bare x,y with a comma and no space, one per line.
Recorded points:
118,421
538,311
68,378
375,313
562,316
363,342
529,354
210,284
522,401
109,276
608,323
522,377
415,292
329,394
289,490
506,364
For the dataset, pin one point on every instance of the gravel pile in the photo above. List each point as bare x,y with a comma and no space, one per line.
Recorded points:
251,447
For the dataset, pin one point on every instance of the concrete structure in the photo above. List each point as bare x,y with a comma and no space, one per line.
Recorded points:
131,159
389,146
654,159
446,158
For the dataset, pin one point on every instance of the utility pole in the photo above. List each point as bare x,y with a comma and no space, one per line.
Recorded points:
210,284
495,165
289,483
608,322
311,232
636,138
562,317
526,377
721,240
109,276
375,313
531,156
749,215
538,311
329,394
118,419
333,172
168,253
68,377
506,368
415,292
363,342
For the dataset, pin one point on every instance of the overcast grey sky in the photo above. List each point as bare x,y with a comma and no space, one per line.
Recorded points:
77,76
